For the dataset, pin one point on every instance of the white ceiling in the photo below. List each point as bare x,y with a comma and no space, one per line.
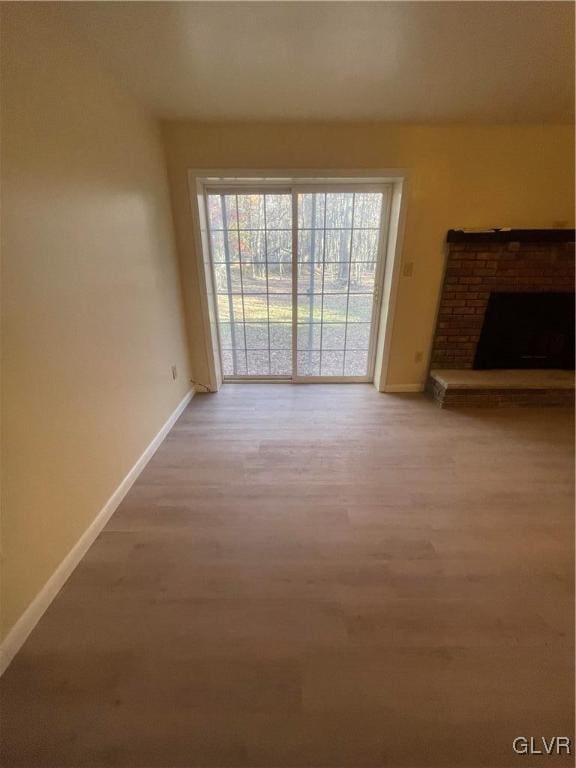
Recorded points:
394,61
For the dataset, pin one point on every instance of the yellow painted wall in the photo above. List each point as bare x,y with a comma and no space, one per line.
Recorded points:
460,176
91,301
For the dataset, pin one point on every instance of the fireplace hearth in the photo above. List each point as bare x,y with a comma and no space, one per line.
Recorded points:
506,307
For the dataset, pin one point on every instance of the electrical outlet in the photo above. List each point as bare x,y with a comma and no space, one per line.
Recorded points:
174,372
408,269
418,357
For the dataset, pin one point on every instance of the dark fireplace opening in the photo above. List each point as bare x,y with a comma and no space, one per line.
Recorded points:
527,330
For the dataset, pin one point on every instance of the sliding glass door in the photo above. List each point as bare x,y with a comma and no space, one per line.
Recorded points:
297,276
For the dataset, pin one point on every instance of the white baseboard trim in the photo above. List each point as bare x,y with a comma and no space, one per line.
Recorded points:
17,636
403,388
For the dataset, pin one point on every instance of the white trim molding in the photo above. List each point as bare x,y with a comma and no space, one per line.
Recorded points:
398,388
19,633
230,180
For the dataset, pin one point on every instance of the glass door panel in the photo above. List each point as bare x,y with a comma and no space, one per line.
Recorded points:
251,248
337,274
296,298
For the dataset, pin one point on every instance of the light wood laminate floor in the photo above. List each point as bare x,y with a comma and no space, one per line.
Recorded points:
316,577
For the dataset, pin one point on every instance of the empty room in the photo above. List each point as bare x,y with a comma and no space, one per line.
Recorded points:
287,384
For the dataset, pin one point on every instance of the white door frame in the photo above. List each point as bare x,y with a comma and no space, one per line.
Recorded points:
232,179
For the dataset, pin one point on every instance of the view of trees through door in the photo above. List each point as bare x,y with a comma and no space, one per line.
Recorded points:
296,312
251,247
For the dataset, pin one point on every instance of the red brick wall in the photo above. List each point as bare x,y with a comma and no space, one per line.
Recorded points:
475,269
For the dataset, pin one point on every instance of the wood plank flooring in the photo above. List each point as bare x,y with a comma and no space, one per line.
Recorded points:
316,577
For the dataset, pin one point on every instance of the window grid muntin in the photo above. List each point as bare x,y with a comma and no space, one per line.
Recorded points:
305,296
361,281
226,245
241,285
348,291
267,286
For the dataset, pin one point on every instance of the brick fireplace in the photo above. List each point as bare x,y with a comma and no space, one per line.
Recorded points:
500,263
